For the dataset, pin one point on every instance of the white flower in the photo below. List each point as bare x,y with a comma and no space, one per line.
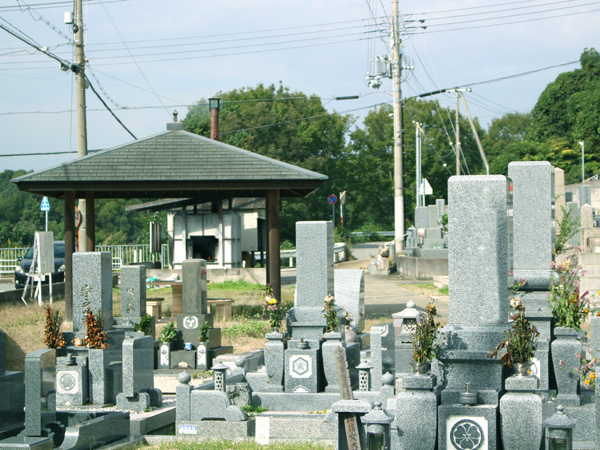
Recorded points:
515,302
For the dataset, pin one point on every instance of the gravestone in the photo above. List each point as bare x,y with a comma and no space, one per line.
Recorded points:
350,295
432,216
421,217
441,208
133,292
382,353
405,324
585,194
92,288
138,391
587,216
533,247
477,270
314,275
195,303
573,207
40,394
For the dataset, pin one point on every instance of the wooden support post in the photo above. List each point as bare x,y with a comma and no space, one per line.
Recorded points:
69,249
90,222
273,256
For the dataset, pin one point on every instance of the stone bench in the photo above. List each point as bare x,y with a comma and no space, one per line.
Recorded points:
154,306
220,307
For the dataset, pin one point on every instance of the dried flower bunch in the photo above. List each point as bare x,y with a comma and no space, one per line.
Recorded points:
330,314
570,308
427,338
53,338
96,336
520,343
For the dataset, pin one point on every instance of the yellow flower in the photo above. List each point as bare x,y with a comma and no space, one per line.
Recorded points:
592,375
587,381
272,301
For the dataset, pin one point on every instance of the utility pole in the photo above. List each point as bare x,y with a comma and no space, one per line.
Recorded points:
81,112
457,126
582,143
419,178
398,132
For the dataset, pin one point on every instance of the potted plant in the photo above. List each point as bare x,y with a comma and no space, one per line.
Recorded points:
96,336
167,337
202,350
204,332
426,339
330,314
273,307
520,342
145,325
569,310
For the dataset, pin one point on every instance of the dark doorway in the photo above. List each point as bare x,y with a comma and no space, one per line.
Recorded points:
204,247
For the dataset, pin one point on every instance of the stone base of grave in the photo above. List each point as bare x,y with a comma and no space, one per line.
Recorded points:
189,358
215,429
479,421
140,402
24,442
287,401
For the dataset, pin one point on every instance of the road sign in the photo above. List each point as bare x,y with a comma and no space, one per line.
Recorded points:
332,199
343,197
45,206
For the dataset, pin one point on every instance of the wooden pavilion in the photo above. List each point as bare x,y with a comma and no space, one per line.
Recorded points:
174,164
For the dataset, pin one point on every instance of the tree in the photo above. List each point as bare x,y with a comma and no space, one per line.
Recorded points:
287,126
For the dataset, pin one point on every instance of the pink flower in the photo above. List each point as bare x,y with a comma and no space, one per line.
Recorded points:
561,363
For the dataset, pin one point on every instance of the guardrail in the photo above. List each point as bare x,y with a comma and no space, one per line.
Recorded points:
339,254
371,233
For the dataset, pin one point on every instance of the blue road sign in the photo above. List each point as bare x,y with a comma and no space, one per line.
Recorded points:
45,206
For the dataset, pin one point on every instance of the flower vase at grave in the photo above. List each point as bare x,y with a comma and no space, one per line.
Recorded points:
421,368
332,340
566,357
274,351
165,355
202,355
522,370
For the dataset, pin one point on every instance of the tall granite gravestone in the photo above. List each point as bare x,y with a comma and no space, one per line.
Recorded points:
477,269
92,288
133,293
441,208
585,194
573,208
40,405
422,217
560,201
350,295
12,399
533,246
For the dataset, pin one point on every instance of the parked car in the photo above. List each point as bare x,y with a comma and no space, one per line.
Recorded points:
24,265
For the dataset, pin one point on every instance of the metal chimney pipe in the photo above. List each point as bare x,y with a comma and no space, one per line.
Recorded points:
214,106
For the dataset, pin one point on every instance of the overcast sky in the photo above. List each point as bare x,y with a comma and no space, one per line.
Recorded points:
154,56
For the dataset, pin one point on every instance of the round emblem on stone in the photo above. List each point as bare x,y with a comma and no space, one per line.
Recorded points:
67,382
466,435
190,322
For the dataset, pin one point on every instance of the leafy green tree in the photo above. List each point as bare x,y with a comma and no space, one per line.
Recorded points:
287,126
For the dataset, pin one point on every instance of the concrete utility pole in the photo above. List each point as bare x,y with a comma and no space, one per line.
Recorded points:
457,146
398,133
81,114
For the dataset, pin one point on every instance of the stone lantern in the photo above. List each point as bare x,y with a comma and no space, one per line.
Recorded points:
220,377
559,431
377,427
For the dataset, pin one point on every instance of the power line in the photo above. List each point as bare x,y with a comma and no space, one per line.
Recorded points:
108,108
48,5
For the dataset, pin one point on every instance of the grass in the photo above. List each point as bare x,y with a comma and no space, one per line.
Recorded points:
427,289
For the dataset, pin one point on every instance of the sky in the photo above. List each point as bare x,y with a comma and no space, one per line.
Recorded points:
150,57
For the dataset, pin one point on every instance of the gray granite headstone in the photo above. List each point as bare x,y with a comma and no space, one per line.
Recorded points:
441,208
533,231
92,288
193,274
422,217
350,294
585,194
587,216
478,269
133,291
40,394
138,365
314,273
573,207
432,216
382,353
71,381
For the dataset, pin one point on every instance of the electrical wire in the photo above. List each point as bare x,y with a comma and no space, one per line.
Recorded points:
31,10
60,4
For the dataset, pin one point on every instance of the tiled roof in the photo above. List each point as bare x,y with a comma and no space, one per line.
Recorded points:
172,160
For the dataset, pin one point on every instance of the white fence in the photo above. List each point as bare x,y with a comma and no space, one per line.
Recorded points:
122,255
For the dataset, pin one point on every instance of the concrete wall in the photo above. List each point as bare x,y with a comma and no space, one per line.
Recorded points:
421,268
14,295
217,275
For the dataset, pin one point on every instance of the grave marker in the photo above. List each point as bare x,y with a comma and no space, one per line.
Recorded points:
350,422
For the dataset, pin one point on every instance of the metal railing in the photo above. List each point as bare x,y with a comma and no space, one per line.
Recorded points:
339,254
121,255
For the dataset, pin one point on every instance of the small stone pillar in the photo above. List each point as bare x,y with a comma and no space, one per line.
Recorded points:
364,377
332,340
182,394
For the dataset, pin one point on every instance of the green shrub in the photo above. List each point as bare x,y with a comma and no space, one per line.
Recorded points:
237,285
246,328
